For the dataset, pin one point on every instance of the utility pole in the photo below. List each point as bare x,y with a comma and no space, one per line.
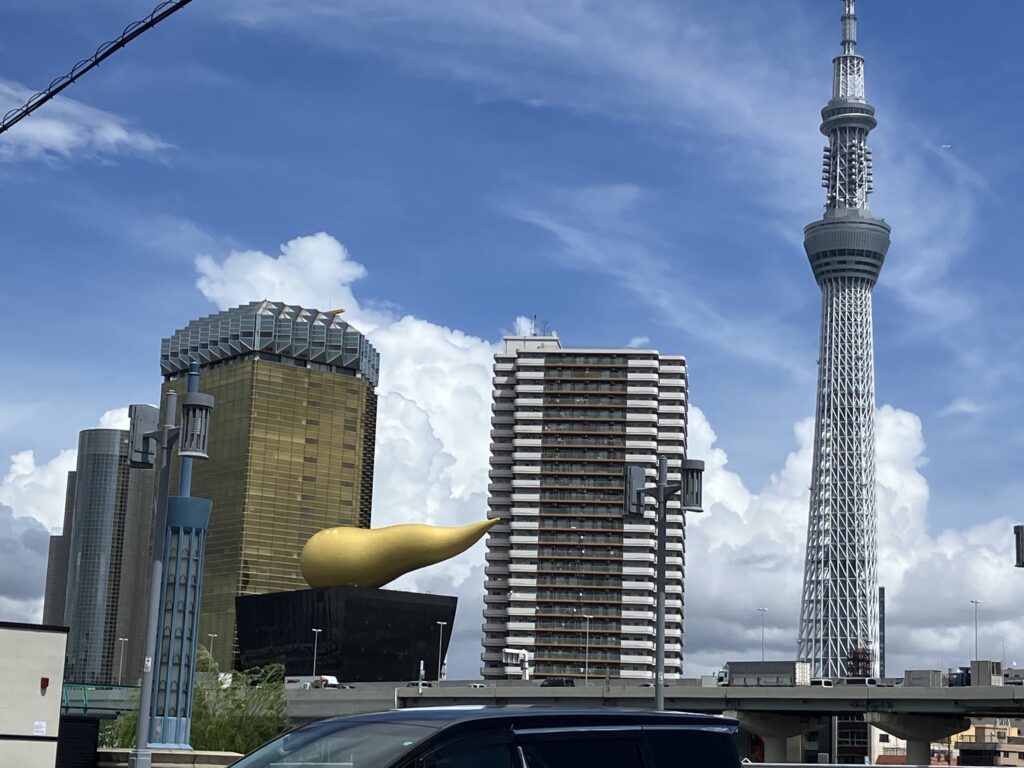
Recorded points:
316,642
762,611
586,657
975,603
440,644
120,663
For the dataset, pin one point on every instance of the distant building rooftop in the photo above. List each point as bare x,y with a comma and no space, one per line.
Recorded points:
271,330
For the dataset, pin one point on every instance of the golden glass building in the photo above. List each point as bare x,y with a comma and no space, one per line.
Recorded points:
291,444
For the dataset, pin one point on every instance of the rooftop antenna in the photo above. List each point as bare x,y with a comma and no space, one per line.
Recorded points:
850,29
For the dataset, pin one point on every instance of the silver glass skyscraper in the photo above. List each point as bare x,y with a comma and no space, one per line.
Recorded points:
136,546
57,562
95,550
846,247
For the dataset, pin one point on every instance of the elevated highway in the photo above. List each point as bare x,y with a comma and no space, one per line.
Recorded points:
919,715
977,701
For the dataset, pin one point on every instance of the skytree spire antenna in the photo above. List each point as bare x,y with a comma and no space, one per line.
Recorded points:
846,248
849,28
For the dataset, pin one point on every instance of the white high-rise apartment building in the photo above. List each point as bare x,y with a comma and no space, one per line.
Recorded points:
568,578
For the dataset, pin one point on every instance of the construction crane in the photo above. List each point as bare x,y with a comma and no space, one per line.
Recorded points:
133,30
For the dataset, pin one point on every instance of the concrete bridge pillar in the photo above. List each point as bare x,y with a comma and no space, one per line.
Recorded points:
777,730
918,730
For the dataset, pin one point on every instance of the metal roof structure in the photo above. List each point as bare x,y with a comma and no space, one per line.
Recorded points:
271,328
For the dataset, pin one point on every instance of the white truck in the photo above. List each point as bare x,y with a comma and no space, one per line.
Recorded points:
765,673
310,682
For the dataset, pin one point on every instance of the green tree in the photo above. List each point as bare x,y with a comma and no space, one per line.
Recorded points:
233,712
121,732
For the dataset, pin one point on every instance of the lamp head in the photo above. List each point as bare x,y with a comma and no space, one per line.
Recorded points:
195,425
692,471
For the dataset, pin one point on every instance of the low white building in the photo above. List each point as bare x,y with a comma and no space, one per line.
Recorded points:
31,681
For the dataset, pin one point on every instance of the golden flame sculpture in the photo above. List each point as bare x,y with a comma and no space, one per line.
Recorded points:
363,557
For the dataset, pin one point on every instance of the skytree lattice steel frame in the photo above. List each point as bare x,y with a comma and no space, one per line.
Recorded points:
846,249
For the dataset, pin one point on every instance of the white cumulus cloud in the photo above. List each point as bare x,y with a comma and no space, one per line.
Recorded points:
447,374
312,271
37,490
116,418
747,551
638,341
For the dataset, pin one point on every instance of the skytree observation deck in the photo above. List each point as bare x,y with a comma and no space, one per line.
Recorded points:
846,249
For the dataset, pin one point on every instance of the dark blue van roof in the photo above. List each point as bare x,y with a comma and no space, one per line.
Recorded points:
543,717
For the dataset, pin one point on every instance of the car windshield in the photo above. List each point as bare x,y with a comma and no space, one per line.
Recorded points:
337,744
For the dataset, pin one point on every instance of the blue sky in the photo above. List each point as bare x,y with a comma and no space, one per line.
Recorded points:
619,170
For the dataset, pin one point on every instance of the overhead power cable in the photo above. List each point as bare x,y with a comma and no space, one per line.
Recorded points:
133,30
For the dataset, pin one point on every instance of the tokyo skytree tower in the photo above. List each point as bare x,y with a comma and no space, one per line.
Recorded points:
846,248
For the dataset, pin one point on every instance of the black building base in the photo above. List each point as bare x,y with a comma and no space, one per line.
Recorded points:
369,635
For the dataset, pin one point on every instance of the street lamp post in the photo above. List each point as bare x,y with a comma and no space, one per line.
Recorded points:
690,490
586,656
213,636
440,643
143,420
975,603
762,611
165,706
316,642
120,663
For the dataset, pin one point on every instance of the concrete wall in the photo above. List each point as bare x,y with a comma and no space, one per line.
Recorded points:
29,714
29,754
